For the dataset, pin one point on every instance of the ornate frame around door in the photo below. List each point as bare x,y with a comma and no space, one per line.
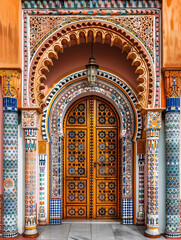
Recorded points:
123,98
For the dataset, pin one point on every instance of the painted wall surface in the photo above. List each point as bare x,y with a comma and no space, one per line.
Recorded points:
10,34
21,181
78,56
171,12
161,180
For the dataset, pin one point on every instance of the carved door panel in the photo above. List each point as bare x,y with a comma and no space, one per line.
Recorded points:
106,161
91,160
76,169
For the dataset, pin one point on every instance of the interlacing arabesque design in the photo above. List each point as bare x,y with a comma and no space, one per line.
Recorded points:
83,32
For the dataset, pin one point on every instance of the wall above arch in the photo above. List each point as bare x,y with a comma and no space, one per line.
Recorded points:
85,31
147,94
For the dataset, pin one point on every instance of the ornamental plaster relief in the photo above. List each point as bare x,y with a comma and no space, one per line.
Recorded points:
30,119
43,26
87,29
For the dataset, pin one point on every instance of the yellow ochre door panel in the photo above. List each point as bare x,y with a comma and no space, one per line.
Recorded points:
91,160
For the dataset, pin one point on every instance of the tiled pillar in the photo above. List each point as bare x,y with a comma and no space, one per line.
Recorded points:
141,214
172,134
30,120
153,125
10,81
1,214
42,165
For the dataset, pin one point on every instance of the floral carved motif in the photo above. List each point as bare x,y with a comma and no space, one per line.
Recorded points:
10,82
72,35
30,119
172,84
141,26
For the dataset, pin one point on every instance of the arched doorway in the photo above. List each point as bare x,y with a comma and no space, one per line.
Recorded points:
91,160
68,90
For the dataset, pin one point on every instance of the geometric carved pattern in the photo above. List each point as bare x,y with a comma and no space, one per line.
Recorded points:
80,151
47,52
40,28
148,11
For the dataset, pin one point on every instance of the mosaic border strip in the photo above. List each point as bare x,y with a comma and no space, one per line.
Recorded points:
91,4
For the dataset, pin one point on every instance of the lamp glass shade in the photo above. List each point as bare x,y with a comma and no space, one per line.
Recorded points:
92,71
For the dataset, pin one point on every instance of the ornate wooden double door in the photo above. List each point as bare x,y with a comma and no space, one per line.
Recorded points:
91,154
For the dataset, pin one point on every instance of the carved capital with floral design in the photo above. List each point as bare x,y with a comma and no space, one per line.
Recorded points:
172,83
152,118
30,119
10,82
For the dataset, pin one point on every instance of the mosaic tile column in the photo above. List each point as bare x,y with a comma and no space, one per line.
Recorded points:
153,125
42,165
141,214
1,214
10,80
30,121
172,134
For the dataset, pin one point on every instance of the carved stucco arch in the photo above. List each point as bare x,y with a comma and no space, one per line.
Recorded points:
118,93
84,31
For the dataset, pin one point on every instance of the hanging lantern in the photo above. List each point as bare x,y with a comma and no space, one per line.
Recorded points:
92,68
92,71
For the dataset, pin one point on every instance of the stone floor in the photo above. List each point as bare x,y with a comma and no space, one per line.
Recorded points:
90,231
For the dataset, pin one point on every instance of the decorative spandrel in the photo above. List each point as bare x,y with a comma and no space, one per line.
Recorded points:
91,160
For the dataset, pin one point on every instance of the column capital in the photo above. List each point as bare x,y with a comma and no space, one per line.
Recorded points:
172,83
42,147
30,119
152,119
10,82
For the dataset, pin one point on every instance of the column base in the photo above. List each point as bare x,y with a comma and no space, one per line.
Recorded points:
140,221
10,235
30,233
173,235
42,221
152,233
